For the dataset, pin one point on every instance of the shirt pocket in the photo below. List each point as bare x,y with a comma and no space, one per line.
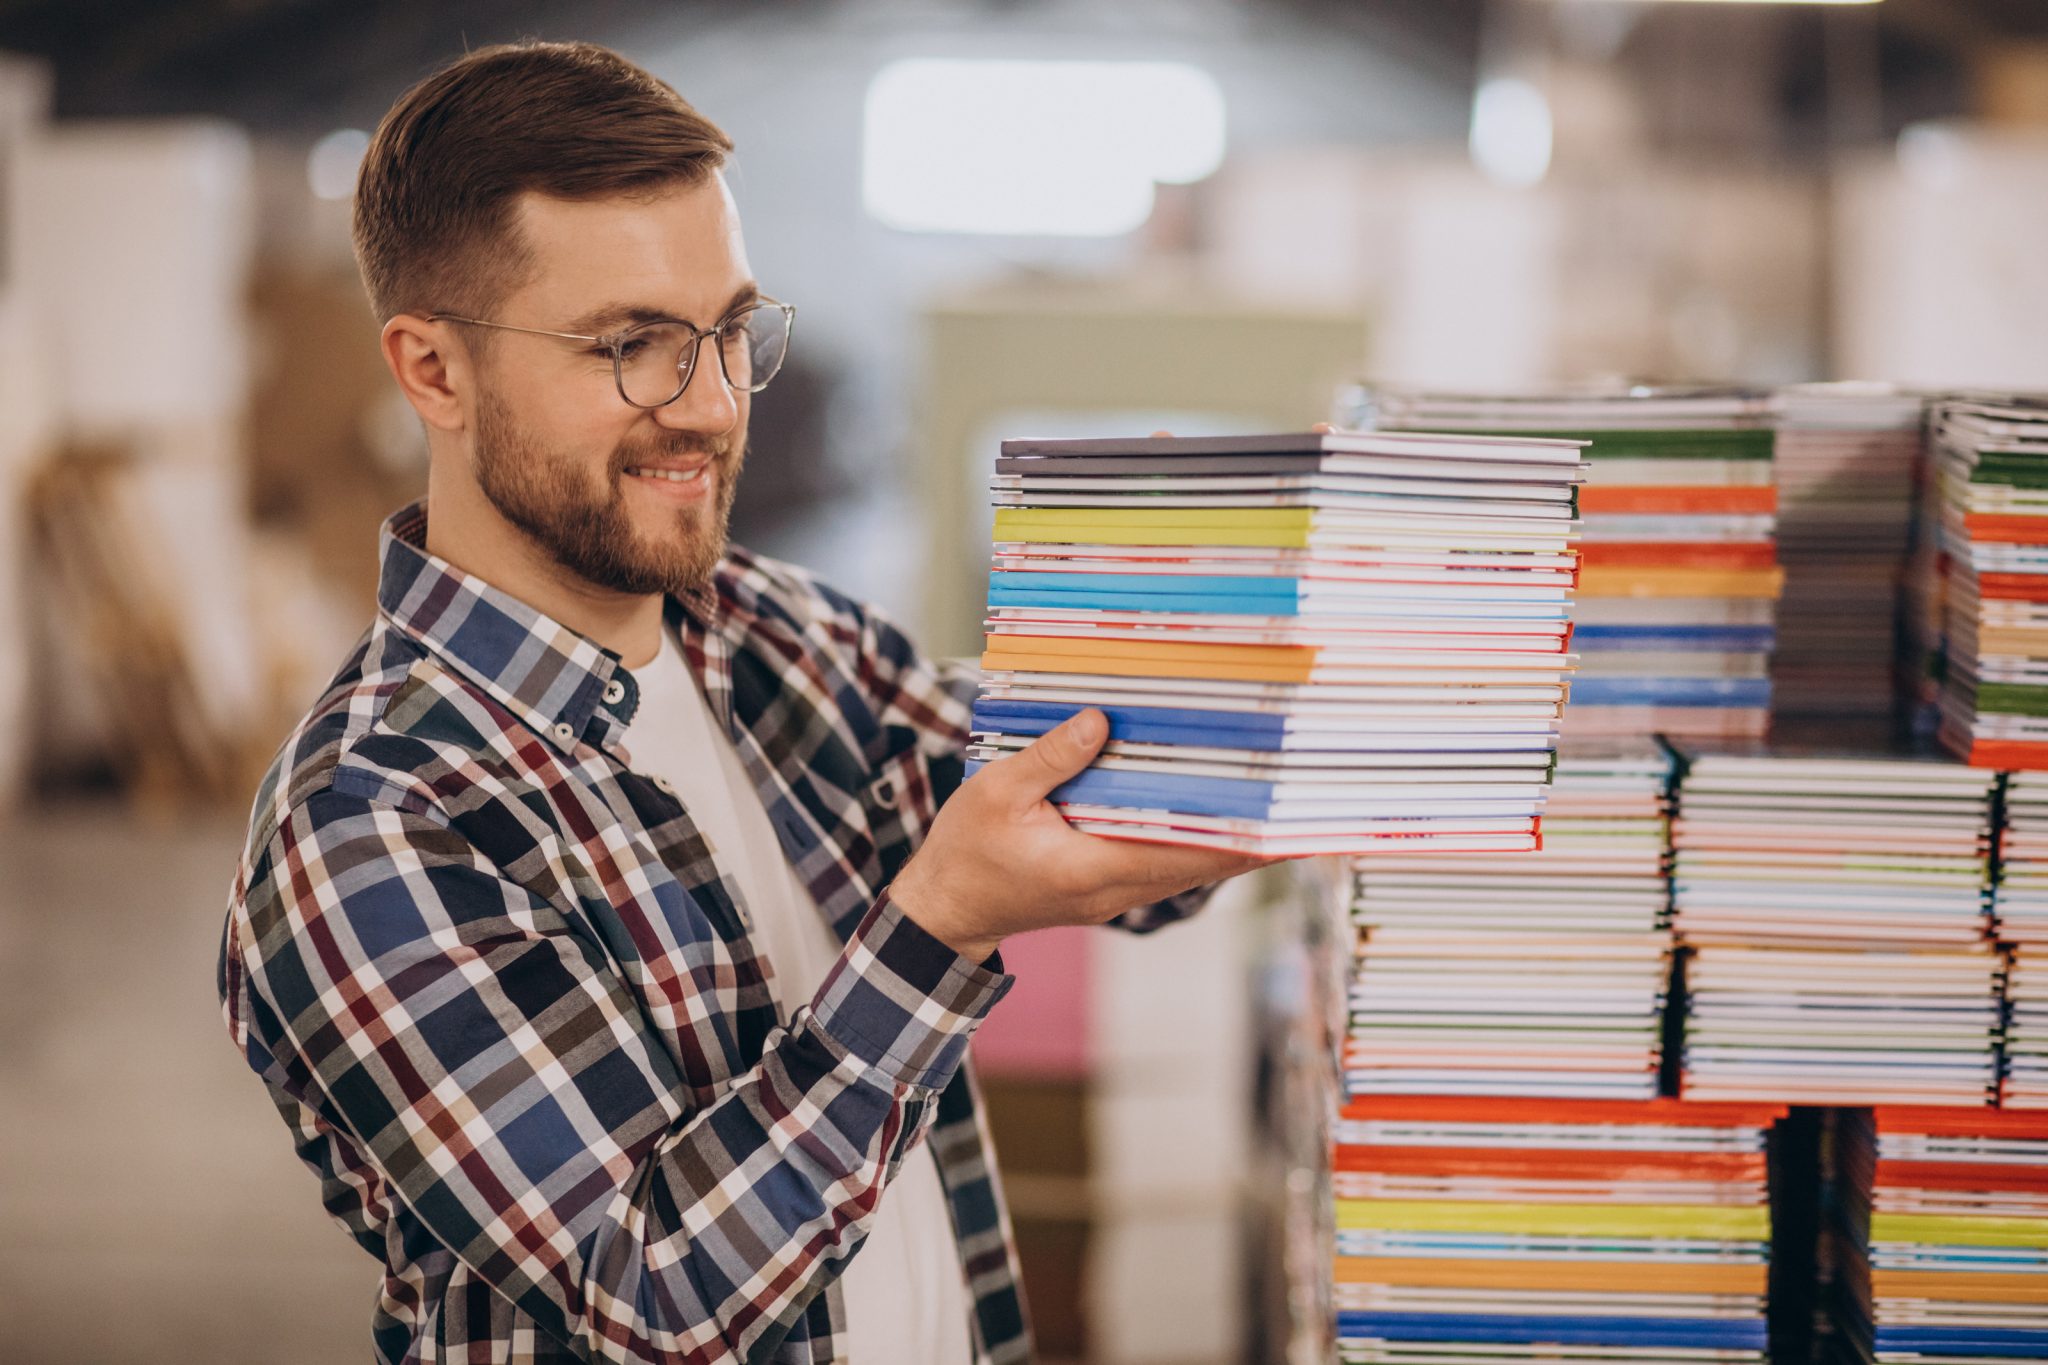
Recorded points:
898,802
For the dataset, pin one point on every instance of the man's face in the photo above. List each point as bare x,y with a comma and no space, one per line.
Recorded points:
626,499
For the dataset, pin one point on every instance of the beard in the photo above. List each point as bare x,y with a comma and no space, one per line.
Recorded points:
581,521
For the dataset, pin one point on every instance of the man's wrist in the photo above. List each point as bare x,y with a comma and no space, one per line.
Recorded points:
926,907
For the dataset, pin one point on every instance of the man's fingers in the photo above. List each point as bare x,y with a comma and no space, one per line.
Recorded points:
1055,756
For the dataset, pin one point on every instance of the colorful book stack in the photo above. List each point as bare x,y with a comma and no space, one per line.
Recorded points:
1847,456
1836,913
1952,1209
1304,643
1564,1231
1533,973
2021,906
1991,488
1680,578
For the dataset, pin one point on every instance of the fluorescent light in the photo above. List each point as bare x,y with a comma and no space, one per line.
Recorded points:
1762,2
332,164
1511,132
1062,148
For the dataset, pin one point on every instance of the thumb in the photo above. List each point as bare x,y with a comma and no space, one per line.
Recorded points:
1058,754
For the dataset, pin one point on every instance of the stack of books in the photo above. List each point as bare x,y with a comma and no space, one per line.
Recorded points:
1531,973
1565,1231
1680,579
1847,457
1836,913
1953,1209
1304,643
2021,907
1991,488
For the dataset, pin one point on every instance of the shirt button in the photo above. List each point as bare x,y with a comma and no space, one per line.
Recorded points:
566,732
614,692
665,785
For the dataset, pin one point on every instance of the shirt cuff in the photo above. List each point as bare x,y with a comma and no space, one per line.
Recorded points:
903,1002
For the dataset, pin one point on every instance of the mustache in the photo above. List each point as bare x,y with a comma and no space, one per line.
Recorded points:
681,445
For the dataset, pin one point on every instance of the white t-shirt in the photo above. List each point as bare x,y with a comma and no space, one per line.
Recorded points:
906,1294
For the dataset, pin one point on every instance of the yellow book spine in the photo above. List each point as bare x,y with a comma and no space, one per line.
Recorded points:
1969,1232
1560,1220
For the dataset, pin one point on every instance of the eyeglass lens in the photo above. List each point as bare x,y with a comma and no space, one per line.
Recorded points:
655,359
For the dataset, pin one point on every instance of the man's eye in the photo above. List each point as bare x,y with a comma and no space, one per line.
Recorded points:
631,347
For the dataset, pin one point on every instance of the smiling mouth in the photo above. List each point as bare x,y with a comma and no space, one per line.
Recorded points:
671,475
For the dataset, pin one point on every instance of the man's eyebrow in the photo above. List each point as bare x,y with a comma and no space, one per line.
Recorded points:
612,317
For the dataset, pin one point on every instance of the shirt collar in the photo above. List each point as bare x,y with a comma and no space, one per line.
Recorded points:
555,679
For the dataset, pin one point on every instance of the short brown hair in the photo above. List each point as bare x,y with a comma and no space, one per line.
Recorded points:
434,198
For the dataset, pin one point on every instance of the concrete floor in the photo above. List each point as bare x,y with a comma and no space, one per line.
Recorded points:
151,1209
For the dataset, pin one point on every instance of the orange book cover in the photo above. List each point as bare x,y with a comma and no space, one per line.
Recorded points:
1630,581
1654,501
2013,587
2008,753
1655,555
2003,528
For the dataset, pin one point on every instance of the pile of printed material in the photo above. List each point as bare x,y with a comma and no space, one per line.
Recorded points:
1680,576
1991,488
1837,913
1847,457
2022,913
1555,1230
1540,973
1304,643
1953,1209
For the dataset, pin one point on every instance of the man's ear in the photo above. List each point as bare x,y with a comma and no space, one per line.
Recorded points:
432,368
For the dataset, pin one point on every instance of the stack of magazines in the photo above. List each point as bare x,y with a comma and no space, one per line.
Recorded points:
1680,579
1304,643
1991,486
1533,973
1951,1211
1552,1230
1847,456
2022,913
1837,913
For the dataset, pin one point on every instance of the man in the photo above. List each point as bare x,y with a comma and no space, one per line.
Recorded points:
578,937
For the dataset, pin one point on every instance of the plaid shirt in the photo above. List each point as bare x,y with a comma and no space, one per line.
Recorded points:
509,1007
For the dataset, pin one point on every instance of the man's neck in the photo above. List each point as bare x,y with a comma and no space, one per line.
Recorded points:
480,542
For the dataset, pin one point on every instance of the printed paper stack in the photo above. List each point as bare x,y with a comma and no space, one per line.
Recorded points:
2022,913
1565,1231
1680,577
1991,482
1304,643
1957,1219
1847,455
1837,910
1531,973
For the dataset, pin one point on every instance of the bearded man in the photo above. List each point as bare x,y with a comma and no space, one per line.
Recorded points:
578,936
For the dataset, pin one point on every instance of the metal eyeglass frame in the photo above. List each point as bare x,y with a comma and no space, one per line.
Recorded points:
694,348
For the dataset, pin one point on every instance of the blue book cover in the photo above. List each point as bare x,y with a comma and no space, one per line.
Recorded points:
1992,1343
1705,639
1140,724
1671,692
1704,1333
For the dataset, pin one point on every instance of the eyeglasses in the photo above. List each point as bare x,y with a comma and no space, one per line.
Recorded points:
653,361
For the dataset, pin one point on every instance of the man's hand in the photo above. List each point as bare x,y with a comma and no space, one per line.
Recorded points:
1000,859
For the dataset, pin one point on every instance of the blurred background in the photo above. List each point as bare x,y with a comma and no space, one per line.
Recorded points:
997,217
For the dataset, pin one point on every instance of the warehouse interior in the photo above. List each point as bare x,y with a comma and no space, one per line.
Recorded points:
199,441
